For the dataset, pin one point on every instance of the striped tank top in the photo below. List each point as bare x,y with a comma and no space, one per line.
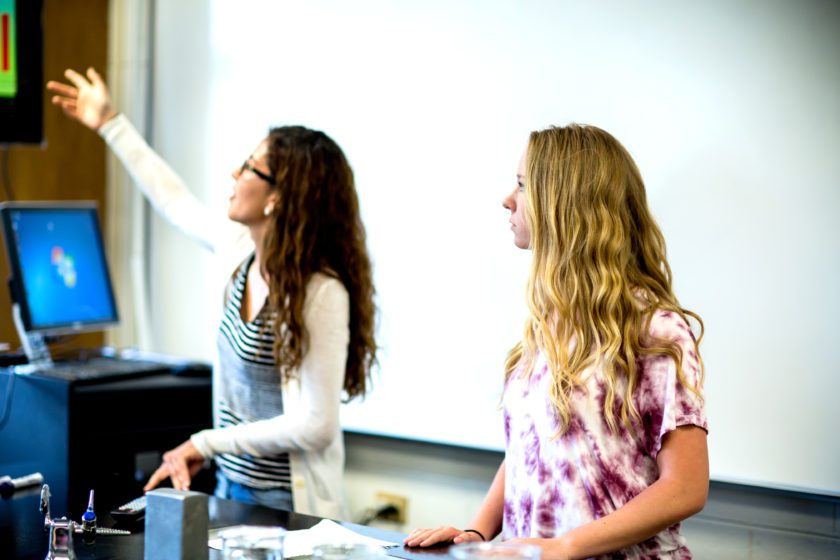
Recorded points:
248,386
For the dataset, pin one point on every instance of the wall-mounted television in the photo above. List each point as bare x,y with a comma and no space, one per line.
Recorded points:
21,72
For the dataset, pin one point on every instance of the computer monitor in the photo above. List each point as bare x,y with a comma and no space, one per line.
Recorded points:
59,274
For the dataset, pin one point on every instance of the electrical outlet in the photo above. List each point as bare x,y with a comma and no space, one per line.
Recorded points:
400,503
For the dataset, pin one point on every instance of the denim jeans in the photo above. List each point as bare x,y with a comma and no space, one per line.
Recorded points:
276,498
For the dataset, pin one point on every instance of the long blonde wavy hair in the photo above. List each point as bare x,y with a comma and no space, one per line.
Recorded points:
598,270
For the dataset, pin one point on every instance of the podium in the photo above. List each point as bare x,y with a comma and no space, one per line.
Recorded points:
105,435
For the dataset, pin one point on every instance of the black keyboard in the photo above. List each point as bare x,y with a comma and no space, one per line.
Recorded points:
102,368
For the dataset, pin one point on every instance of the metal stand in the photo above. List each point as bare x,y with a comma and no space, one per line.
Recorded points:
34,344
61,540
62,529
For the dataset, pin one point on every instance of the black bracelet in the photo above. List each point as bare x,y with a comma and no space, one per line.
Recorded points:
477,532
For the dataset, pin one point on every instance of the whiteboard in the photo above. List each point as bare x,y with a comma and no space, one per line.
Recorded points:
731,110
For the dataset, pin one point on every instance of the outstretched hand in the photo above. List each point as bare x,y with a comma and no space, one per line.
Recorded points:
180,465
87,100
438,535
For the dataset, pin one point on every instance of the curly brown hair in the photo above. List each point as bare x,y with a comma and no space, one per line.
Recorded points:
317,228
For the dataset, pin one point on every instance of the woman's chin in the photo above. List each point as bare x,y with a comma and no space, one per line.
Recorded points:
245,219
234,216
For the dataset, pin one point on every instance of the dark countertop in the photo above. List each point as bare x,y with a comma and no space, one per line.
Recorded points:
22,536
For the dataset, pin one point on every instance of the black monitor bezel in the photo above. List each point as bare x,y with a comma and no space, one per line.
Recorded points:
16,286
22,116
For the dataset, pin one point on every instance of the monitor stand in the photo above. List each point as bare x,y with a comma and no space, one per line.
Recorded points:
34,344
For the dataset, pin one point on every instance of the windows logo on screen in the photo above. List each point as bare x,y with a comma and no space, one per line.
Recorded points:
65,266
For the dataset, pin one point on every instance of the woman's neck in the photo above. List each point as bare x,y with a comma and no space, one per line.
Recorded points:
258,235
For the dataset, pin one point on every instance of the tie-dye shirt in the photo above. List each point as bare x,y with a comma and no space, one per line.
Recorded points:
555,484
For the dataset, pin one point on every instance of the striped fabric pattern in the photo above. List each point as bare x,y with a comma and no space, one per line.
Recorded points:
251,342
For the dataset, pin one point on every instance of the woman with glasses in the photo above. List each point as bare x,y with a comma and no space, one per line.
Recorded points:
604,419
298,320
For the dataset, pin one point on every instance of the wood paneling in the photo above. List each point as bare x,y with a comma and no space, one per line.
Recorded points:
71,163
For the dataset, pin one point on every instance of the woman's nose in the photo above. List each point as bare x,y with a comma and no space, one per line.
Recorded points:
509,202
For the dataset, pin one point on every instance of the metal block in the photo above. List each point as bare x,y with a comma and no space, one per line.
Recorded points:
176,525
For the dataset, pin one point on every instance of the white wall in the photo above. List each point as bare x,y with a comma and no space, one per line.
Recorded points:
730,109
443,485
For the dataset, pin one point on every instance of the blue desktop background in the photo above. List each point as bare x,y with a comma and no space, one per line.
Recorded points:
65,275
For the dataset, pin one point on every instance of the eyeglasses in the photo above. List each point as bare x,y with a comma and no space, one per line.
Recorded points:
261,174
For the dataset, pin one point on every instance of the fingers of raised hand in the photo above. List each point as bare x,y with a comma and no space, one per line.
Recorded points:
76,79
95,78
69,107
62,89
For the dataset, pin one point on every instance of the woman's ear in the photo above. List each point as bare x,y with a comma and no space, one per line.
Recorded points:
271,203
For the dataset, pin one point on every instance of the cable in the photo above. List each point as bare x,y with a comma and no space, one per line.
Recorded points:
388,510
7,404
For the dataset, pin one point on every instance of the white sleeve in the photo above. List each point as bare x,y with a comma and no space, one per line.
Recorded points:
314,422
160,184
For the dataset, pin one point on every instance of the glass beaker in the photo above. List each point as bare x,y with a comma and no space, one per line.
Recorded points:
252,543
348,552
495,551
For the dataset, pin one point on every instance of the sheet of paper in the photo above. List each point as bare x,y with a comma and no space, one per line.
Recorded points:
301,542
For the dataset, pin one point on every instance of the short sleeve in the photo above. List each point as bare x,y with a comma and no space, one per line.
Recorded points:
664,402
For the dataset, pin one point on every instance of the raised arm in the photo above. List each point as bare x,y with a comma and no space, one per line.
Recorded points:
87,100
486,523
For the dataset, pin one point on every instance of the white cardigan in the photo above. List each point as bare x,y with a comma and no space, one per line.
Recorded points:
309,429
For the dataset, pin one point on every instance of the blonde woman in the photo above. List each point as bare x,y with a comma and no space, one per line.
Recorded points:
603,407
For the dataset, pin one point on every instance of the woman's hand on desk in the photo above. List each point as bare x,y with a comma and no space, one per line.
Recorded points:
438,535
180,465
